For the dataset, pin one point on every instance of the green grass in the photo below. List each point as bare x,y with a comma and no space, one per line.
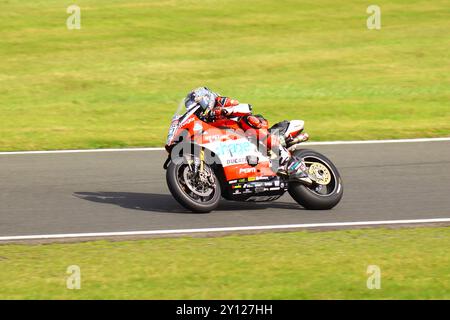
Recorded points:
117,81
414,264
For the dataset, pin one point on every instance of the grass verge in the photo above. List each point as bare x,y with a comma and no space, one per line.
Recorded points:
414,264
117,81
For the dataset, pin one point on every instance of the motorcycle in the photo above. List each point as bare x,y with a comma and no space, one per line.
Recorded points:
207,162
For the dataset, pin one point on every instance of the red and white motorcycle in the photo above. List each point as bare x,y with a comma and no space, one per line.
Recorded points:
206,163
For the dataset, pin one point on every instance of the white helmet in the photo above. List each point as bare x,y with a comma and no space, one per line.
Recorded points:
202,96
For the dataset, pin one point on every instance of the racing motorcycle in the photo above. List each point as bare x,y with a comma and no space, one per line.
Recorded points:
208,162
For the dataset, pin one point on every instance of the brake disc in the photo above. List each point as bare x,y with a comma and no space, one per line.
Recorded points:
319,173
194,186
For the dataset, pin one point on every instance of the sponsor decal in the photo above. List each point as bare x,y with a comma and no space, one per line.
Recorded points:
260,189
263,198
237,192
235,148
251,178
247,170
273,189
188,121
242,180
232,181
212,138
236,161
238,186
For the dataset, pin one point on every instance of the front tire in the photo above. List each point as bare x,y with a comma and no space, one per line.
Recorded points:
318,196
182,191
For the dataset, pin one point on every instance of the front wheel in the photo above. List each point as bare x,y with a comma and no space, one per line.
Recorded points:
197,191
326,190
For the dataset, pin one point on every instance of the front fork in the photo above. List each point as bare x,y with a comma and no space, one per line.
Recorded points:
199,161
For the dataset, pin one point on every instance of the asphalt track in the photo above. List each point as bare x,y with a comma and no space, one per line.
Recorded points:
59,193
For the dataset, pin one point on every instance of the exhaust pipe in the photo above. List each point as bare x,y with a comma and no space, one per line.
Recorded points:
302,137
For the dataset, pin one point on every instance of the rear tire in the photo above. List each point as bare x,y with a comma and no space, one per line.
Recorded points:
309,197
186,200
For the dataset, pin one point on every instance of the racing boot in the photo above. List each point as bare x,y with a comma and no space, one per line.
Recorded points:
295,169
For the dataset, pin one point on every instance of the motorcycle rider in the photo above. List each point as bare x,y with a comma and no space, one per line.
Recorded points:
216,108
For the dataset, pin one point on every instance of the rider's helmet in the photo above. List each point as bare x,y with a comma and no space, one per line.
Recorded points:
202,96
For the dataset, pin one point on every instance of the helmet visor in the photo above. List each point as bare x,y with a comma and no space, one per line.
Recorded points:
189,102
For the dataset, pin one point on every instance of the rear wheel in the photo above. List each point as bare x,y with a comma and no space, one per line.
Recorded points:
326,190
198,191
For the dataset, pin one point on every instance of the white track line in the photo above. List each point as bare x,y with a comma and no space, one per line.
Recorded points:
80,151
379,141
161,149
224,229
